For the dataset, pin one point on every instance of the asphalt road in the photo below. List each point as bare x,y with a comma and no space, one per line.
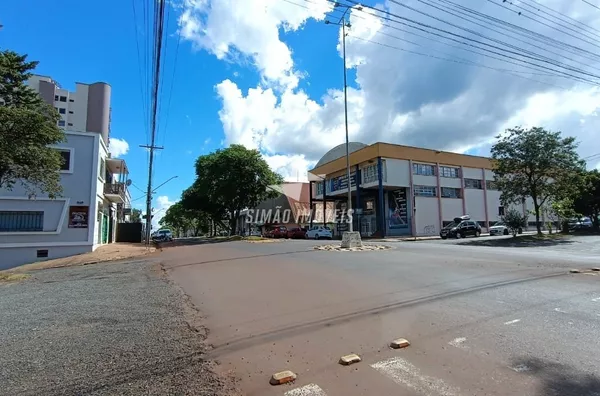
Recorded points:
482,320
105,329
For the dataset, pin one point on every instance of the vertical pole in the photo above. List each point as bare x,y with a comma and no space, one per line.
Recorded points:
349,205
381,198
149,193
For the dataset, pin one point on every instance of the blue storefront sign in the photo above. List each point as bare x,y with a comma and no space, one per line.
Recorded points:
341,182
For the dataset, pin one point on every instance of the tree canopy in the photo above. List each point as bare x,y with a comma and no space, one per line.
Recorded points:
183,220
535,163
587,201
28,126
230,180
136,216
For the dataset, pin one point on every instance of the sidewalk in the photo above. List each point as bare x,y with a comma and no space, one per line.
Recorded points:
110,252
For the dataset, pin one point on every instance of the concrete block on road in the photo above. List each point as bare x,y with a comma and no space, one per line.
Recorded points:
399,343
349,359
351,239
282,377
575,271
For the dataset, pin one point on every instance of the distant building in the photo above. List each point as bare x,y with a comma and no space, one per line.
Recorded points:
401,190
95,195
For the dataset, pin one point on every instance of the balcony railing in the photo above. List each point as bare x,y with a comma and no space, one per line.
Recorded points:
115,191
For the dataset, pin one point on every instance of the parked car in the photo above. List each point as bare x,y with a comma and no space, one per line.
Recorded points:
461,227
280,232
500,228
580,223
254,233
296,233
164,235
319,232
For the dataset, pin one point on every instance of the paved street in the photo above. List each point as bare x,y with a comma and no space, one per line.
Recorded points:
482,320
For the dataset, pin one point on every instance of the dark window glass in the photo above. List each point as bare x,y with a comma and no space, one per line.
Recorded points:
66,160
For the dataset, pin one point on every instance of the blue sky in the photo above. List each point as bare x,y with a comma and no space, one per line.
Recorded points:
268,74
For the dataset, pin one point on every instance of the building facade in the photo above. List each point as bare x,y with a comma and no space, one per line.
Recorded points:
95,197
408,191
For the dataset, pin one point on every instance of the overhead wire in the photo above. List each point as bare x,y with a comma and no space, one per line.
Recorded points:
523,53
519,29
562,16
593,5
395,18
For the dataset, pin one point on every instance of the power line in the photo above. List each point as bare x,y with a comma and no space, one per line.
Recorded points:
424,27
524,53
452,60
533,35
593,5
488,27
503,58
563,17
159,14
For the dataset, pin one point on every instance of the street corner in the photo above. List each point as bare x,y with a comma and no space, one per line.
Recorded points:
349,359
399,343
283,377
363,248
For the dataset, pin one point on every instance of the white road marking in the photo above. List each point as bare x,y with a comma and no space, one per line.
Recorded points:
512,321
458,342
404,373
559,310
596,299
307,390
521,368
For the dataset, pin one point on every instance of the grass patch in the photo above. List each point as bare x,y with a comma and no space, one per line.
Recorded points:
12,277
522,241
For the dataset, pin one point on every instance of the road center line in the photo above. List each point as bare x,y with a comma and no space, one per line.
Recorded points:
512,321
404,373
307,390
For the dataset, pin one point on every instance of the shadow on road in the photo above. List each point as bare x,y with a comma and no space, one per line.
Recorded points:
198,241
560,380
522,241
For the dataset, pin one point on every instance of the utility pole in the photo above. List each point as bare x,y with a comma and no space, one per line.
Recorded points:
152,147
344,24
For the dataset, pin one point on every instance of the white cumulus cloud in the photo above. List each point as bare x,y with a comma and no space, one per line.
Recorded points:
410,88
118,147
162,204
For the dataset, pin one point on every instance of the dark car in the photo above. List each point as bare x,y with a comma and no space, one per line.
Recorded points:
461,227
296,233
280,232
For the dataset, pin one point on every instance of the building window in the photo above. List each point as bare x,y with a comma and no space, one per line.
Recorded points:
61,123
423,170
70,112
370,174
446,171
42,253
21,221
102,172
425,191
500,210
71,100
66,160
491,185
62,99
56,98
450,192
62,110
474,183
69,124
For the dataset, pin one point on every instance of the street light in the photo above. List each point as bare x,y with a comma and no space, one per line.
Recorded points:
342,22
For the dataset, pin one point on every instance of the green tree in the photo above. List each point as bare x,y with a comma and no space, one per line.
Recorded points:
514,220
535,163
28,126
587,203
230,180
136,216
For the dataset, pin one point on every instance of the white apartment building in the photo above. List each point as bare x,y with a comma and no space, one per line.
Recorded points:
95,197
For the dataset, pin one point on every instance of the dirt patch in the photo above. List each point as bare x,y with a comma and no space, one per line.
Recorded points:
12,277
110,252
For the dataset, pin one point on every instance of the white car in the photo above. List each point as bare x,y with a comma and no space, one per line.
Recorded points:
499,229
319,232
